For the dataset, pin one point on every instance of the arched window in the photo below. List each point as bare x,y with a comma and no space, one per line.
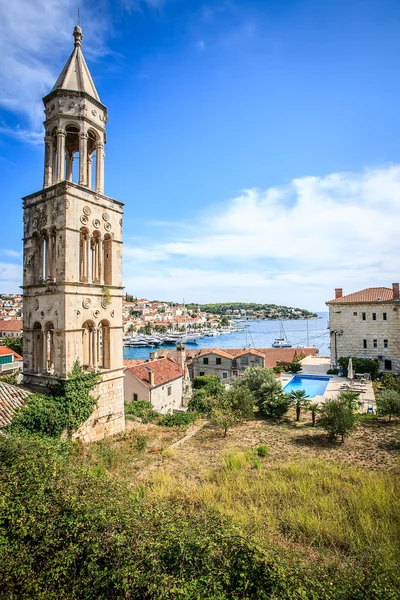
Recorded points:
43,256
54,161
37,365
92,159
96,257
48,349
89,345
71,149
104,345
84,244
107,259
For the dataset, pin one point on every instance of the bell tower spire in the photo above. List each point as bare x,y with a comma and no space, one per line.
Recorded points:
75,125
72,282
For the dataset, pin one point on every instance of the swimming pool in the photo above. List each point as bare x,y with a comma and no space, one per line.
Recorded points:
313,385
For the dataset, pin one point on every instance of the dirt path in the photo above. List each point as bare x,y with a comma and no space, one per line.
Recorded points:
189,435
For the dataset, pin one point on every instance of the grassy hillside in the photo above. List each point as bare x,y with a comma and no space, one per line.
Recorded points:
129,517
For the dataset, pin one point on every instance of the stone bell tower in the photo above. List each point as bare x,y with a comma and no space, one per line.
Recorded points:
72,282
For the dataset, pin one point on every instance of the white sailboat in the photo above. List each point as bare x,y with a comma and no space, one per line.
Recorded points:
282,341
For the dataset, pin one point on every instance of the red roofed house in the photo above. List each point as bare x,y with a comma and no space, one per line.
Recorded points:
158,381
9,361
248,358
213,362
366,324
11,328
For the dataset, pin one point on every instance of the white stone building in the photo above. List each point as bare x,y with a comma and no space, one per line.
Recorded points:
158,381
72,280
366,324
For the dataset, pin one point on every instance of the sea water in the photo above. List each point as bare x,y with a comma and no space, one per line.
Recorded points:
258,334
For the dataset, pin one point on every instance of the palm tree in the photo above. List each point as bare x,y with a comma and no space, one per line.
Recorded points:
314,408
299,398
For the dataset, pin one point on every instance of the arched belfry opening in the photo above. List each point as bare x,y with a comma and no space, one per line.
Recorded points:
71,152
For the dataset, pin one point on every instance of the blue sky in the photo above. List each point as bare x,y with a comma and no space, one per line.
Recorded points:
254,143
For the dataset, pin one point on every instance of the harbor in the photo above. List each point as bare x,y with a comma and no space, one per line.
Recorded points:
244,334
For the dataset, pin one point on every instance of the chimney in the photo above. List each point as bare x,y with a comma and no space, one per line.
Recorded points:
152,356
395,287
338,293
151,376
181,356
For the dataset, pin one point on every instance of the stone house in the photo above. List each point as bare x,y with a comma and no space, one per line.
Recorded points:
158,381
248,358
11,328
366,324
213,362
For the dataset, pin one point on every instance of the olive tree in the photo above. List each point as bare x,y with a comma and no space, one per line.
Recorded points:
388,404
337,418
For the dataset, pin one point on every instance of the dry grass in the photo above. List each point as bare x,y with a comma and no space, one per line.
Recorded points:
322,498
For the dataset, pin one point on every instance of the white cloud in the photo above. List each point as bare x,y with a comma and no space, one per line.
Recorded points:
291,244
35,42
11,253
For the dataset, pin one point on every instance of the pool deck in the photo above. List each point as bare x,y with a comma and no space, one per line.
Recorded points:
318,365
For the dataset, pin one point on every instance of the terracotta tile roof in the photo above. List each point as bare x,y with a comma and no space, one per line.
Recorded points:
272,355
132,362
368,295
164,369
251,351
218,351
11,325
4,350
11,398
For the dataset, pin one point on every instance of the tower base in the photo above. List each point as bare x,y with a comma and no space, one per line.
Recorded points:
108,417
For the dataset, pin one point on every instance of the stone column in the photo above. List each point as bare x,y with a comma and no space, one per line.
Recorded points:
48,161
44,365
53,257
96,261
90,334
83,138
70,165
61,135
100,167
89,172
41,259
49,257
98,348
86,257
94,349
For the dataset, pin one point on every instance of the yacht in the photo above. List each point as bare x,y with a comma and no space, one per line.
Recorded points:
282,341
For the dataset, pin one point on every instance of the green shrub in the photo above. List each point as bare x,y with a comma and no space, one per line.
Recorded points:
337,418
140,443
12,378
64,409
262,450
360,365
71,534
181,419
332,371
388,403
141,409
288,367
